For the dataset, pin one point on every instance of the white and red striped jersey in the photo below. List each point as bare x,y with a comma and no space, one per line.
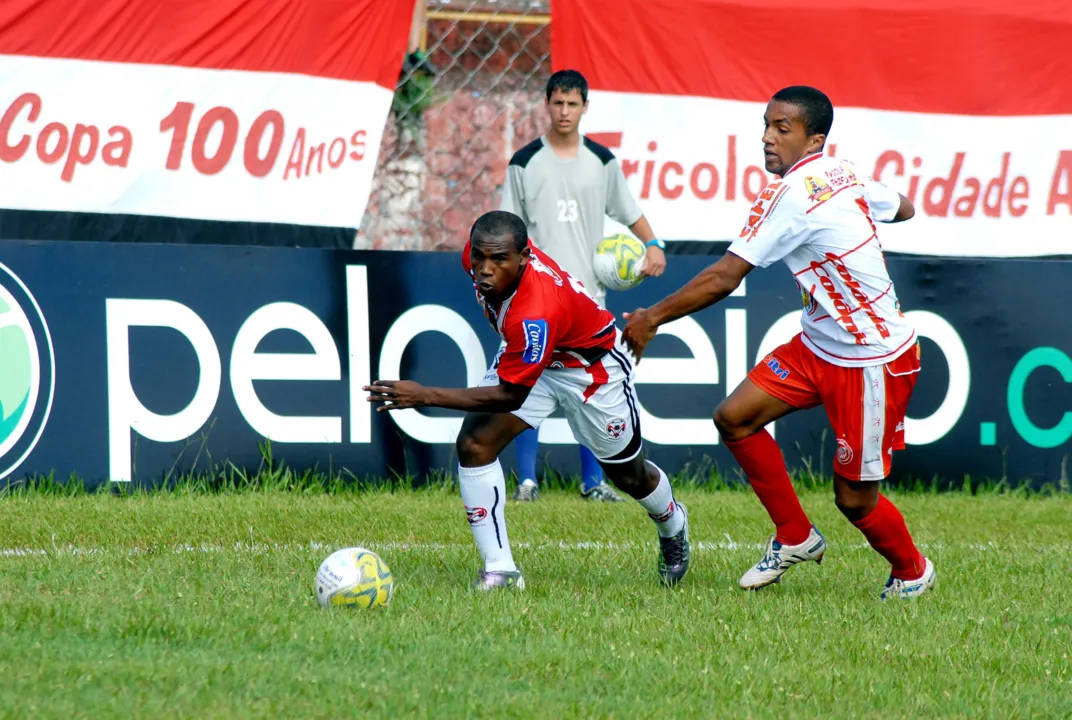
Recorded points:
820,220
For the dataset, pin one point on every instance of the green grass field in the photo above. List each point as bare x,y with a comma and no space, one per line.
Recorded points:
200,605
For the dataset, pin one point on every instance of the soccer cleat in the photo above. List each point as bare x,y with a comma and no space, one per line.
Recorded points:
778,558
897,588
496,579
602,493
674,554
527,491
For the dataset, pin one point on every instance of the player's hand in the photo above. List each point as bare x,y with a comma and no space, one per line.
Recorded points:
396,394
654,262
639,331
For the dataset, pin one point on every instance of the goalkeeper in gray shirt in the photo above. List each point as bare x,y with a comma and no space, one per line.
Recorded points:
561,185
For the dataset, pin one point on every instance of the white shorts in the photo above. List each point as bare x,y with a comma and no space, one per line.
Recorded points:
599,402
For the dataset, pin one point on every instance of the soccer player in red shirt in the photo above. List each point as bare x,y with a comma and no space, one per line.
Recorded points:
559,349
856,355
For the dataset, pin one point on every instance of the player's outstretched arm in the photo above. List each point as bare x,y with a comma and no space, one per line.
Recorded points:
401,394
712,284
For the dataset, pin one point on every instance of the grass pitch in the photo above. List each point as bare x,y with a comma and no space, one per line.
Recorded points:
200,605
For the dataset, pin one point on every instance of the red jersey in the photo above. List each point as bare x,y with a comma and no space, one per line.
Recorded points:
549,322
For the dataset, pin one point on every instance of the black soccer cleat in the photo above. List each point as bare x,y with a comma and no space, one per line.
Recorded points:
674,554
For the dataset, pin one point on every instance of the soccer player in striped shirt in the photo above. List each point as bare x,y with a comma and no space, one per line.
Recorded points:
856,355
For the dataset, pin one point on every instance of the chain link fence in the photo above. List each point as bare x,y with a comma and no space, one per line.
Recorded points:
464,103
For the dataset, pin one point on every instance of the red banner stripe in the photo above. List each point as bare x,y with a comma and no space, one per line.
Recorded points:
964,57
361,40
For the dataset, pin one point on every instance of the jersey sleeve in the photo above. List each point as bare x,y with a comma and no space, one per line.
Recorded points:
882,199
530,340
621,205
513,198
775,227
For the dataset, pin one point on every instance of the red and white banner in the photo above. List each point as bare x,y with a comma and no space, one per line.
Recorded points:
251,110
964,106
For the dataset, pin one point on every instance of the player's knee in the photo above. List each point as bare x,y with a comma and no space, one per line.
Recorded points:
730,425
637,477
632,481
473,452
857,501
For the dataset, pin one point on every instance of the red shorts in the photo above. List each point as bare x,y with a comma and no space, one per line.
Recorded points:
866,405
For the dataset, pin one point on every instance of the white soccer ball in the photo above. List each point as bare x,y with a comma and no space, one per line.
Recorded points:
354,578
618,261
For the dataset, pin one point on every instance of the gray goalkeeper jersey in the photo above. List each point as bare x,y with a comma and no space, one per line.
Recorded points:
563,201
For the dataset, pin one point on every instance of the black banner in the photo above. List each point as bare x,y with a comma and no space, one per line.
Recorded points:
135,361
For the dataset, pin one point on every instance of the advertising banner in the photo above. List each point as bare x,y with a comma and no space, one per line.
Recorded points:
141,362
973,129
268,112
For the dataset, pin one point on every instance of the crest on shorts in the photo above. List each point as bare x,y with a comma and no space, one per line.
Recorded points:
844,452
616,427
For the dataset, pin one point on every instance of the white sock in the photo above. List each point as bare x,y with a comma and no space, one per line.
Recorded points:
484,496
661,507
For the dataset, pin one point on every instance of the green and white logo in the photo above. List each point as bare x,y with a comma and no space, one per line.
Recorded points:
27,372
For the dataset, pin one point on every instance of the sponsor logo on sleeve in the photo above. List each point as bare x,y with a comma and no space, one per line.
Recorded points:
763,207
535,341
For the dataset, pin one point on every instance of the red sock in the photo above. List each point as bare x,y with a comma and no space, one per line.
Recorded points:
884,527
764,465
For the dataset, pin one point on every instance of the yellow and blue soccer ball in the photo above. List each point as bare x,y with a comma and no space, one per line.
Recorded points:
618,262
354,578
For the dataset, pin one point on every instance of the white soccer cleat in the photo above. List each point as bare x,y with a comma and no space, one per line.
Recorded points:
778,558
499,580
897,588
527,491
602,493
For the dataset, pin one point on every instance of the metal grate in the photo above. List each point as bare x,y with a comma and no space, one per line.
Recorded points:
461,108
